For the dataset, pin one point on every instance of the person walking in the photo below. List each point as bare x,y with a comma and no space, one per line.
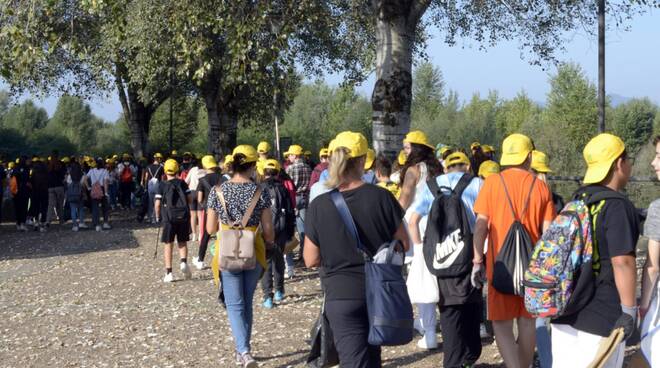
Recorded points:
195,173
126,172
460,302
20,191
420,164
329,245
319,168
56,173
206,184
74,194
151,178
228,204
300,173
39,181
576,337
514,194
172,200
97,179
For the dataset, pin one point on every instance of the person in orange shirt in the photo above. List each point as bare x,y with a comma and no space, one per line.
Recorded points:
532,204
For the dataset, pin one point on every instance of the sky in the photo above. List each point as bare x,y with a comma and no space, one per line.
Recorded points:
632,67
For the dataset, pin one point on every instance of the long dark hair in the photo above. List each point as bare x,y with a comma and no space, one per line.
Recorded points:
420,153
238,165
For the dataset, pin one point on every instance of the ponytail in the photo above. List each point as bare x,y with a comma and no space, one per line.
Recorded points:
342,167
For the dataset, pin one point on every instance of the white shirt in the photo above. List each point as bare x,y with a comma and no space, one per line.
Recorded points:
98,176
194,174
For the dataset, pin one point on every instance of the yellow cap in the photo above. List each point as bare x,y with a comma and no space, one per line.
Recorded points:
457,158
208,162
600,153
371,157
171,167
475,145
401,159
11,165
108,160
294,150
418,137
272,164
65,160
187,154
173,153
248,151
229,159
158,155
115,156
356,143
515,149
126,156
487,149
263,147
540,162
488,168
324,152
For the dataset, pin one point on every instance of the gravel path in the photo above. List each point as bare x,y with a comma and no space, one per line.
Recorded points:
91,299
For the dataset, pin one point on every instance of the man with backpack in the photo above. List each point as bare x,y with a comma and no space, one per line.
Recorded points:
513,209
173,196
126,172
448,201
284,222
612,303
151,180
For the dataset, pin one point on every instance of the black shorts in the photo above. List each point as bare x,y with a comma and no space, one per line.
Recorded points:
180,232
194,205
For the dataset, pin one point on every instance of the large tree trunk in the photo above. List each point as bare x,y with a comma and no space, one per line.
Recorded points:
228,128
213,126
396,22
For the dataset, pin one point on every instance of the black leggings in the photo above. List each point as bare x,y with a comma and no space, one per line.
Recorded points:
461,342
204,241
21,207
350,328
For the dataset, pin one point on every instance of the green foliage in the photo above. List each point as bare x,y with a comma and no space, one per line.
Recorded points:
428,90
515,113
25,118
111,138
185,119
74,120
633,122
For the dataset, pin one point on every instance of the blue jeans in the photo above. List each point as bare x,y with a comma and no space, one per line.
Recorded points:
300,226
77,213
112,194
543,343
239,290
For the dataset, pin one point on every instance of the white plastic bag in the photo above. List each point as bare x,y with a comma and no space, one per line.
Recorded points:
650,344
422,285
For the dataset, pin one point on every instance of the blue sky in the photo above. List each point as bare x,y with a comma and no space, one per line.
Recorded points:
632,67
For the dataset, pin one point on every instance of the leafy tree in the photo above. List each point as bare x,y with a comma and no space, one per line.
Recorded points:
477,122
185,119
428,89
73,119
111,138
12,143
43,142
25,118
515,113
633,122
4,102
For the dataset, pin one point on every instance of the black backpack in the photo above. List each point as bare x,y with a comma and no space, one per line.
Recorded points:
176,203
448,239
284,216
513,259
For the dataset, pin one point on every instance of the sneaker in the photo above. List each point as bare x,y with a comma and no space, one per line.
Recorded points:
239,359
289,274
198,264
42,229
98,227
428,345
83,226
106,226
483,333
186,270
168,278
29,222
279,296
248,361
74,228
268,303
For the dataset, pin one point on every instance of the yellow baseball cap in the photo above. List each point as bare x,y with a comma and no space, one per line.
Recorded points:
263,147
174,153
324,152
457,158
308,153
599,154
187,154
248,151
208,162
401,159
488,168
475,145
371,157
158,155
229,159
356,143
11,165
515,149
487,148
126,156
171,167
272,164
294,150
540,162
65,160
418,137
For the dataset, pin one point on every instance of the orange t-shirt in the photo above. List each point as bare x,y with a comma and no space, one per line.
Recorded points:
492,202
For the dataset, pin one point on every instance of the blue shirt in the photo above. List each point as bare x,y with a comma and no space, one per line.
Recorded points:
450,180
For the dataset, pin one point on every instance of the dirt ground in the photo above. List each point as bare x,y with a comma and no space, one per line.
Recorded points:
91,299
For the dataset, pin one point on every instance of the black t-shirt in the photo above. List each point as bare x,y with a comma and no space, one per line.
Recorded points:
617,231
207,182
164,187
154,171
377,216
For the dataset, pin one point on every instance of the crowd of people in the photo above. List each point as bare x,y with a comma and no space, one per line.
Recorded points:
456,214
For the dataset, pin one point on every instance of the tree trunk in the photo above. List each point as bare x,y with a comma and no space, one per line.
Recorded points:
138,124
213,126
228,128
392,95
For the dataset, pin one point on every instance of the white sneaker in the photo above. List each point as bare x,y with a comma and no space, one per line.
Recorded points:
428,345
168,278
74,228
186,270
29,222
42,229
106,226
98,227
83,226
198,264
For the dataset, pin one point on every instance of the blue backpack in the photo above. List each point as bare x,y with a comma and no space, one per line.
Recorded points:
388,304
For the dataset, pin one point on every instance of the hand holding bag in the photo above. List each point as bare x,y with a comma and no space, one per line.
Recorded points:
237,241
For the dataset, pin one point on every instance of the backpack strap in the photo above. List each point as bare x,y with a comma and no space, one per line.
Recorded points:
508,197
345,214
433,187
462,184
221,197
251,207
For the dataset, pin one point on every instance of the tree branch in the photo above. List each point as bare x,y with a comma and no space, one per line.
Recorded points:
121,92
418,8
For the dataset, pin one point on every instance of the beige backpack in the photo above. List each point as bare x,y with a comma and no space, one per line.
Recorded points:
237,244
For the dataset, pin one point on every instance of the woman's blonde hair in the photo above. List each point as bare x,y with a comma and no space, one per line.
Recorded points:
342,166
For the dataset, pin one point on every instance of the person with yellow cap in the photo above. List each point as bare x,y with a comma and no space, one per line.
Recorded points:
320,167
284,224
98,178
383,169
172,201
461,303
152,176
236,199
369,174
20,191
378,218
576,338
300,173
263,149
513,195
488,151
74,194
194,174
540,167
206,184
488,168
127,172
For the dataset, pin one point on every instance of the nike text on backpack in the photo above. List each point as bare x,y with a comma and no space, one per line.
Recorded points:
448,239
513,258
388,304
560,278
237,251
176,204
126,174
